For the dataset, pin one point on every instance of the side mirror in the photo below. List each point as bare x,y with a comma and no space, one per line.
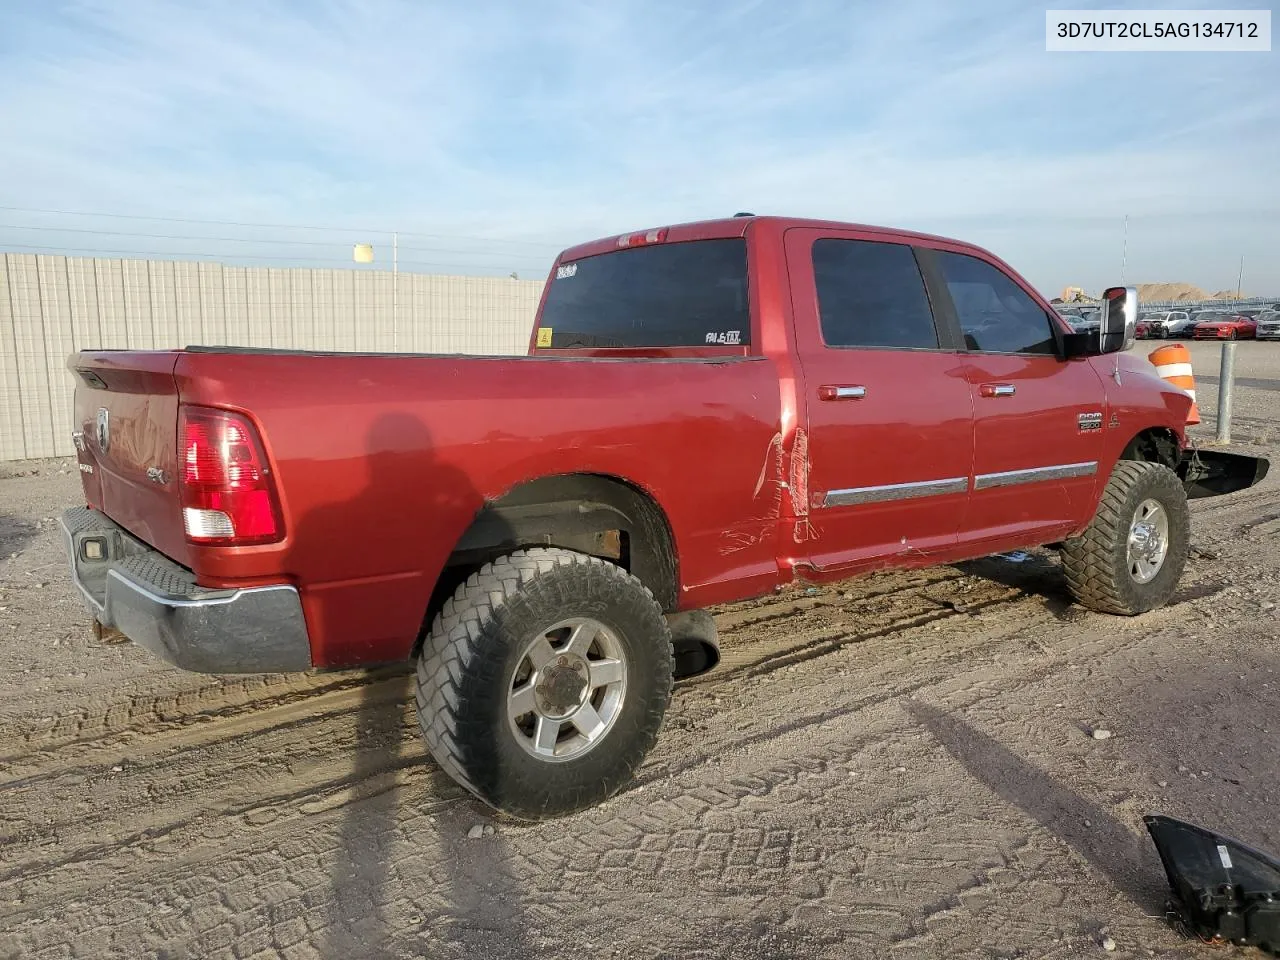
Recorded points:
1118,329
1117,326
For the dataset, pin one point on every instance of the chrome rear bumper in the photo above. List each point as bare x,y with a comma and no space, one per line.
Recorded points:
158,605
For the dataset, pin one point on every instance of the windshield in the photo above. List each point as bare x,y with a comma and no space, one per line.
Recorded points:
664,295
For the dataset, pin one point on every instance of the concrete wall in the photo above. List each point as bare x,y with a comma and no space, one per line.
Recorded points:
52,306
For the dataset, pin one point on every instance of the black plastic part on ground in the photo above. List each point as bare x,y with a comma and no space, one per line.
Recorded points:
1222,888
1212,473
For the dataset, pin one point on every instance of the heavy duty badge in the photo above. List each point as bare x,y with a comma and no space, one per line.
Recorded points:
1089,422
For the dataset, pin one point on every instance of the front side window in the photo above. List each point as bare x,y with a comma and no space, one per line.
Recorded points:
995,314
871,294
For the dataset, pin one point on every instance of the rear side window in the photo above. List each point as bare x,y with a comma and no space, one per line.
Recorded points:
996,315
665,295
871,294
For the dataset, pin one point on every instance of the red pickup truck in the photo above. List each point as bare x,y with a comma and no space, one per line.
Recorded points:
707,412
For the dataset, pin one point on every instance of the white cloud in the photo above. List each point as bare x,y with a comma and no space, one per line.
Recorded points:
578,119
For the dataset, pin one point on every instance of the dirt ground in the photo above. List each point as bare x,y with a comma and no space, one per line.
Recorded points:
900,766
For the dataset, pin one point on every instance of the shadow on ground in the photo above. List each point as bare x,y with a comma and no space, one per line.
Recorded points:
1034,572
1111,848
15,534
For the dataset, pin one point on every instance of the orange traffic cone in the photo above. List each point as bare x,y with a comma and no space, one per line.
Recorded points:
1173,363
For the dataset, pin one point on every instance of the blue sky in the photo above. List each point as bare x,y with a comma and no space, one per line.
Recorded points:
537,125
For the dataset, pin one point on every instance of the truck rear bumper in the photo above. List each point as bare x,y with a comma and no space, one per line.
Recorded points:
157,604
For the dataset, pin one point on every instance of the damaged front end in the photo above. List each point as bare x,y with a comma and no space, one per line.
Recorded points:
1223,890
1212,473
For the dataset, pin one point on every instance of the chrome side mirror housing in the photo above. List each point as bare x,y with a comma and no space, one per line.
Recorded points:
1119,322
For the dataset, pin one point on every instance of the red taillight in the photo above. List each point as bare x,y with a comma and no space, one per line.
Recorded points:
640,239
227,493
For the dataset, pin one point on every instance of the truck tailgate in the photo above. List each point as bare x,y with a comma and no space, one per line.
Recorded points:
126,423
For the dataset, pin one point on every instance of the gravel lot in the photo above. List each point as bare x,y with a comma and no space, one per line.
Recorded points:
898,766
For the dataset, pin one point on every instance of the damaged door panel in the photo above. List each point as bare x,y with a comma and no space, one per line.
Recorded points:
890,423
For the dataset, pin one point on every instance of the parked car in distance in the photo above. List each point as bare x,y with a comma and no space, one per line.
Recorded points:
1232,326
1178,323
1166,323
1155,325
1204,316
707,412
1268,325
1082,320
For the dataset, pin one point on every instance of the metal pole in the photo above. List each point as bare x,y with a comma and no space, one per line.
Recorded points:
1226,376
395,291
1240,280
1124,257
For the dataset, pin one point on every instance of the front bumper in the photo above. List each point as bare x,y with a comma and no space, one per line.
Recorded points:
158,605
1213,473
1265,334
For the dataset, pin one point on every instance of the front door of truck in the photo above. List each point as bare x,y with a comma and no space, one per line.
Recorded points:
1037,418
889,423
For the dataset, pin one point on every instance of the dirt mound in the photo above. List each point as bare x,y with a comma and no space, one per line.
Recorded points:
1226,295
1170,291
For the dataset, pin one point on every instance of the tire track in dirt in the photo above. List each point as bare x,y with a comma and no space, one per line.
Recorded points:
127,722
143,856
206,703
250,797
226,755
292,721
188,811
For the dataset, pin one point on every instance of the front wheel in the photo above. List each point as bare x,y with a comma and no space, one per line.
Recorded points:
1231,334
544,681
1130,557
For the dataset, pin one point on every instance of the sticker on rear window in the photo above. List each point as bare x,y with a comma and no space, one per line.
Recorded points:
544,336
566,270
731,337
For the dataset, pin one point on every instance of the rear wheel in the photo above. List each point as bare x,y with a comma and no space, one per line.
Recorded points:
544,681
1131,555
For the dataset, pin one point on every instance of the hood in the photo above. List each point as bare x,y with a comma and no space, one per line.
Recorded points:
1133,364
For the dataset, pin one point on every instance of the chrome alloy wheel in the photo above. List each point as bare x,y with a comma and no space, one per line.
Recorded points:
1148,541
568,689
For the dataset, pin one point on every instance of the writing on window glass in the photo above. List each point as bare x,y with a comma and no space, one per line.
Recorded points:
730,337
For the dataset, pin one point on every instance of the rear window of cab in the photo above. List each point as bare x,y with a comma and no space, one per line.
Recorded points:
687,294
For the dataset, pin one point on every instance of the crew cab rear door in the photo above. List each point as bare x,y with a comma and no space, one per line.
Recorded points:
889,417
1037,417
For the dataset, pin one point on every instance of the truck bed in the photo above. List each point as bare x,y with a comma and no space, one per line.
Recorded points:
382,461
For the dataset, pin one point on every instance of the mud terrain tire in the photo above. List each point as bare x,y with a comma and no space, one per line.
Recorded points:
483,653
1099,564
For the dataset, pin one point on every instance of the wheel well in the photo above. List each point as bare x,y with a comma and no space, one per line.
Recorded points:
1156,445
597,515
